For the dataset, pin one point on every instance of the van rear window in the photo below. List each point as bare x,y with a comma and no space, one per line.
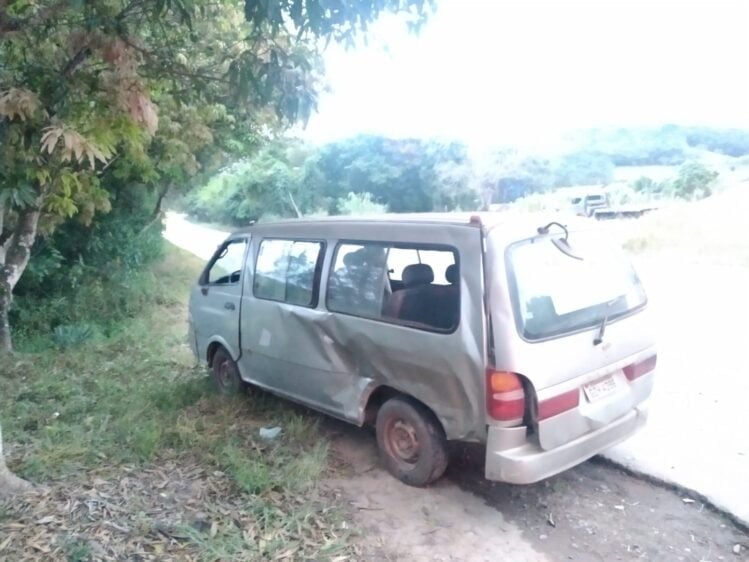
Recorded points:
413,285
555,294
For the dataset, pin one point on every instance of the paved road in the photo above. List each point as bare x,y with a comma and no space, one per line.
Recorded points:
698,434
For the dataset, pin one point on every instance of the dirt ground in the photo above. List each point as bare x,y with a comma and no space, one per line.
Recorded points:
592,512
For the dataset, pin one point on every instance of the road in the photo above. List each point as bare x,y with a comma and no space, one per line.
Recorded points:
697,436
698,433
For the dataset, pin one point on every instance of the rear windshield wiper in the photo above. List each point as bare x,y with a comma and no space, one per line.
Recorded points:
602,326
561,244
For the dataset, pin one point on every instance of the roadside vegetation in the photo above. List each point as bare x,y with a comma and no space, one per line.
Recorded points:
105,108
370,173
708,232
137,454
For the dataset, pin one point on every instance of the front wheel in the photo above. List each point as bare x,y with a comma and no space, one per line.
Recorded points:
411,441
225,374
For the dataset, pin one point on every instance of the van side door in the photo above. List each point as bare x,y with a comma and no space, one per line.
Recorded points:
216,300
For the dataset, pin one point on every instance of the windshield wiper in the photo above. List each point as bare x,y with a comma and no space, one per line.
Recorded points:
602,326
561,244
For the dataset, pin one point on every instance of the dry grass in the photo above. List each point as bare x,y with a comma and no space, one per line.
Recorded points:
714,231
136,458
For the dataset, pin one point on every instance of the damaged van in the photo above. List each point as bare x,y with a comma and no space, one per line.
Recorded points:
528,336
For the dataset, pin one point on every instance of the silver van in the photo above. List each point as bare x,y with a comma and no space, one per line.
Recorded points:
513,331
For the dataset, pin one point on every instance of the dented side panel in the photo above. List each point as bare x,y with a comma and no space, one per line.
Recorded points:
333,361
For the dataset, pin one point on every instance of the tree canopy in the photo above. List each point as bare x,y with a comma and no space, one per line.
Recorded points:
148,93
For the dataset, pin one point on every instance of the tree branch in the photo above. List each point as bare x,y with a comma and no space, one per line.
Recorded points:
293,204
174,68
78,59
157,212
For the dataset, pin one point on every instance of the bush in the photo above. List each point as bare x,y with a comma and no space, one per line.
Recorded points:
89,275
359,204
71,335
694,181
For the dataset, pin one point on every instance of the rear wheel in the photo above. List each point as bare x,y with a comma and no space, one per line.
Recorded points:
225,374
411,441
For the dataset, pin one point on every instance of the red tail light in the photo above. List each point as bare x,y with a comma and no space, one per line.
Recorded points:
640,368
505,397
558,404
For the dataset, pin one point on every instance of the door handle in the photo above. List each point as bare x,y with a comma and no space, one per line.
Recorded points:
229,306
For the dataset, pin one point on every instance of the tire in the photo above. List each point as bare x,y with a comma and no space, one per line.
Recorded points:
411,441
225,374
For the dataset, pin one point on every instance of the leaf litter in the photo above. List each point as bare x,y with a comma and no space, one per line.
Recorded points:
177,509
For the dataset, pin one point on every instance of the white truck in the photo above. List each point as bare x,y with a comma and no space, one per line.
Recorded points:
595,204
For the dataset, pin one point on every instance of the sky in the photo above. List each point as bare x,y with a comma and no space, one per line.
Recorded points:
521,71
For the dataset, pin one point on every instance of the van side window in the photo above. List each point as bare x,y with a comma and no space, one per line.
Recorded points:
406,284
288,271
226,267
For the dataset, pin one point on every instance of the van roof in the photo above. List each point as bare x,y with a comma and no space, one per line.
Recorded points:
489,220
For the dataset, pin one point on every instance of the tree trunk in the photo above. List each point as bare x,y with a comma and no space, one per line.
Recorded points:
10,484
14,257
6,344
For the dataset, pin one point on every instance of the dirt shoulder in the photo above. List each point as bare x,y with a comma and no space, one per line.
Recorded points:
592,512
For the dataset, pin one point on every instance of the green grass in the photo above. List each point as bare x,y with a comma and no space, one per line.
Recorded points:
135,396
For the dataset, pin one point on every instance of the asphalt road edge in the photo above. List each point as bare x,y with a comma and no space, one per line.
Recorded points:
682,491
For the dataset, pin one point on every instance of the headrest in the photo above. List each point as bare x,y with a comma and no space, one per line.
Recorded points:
417,274
451,274
366,255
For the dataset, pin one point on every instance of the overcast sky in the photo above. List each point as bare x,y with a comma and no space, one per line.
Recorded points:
517,71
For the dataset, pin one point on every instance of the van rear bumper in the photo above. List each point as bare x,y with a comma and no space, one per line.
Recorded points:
511,458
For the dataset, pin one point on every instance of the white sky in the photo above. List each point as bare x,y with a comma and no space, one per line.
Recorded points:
519,71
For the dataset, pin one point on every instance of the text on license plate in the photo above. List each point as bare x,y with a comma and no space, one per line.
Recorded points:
600,388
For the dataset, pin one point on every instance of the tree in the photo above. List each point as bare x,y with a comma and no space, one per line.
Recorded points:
265,184
9,483
402,174
694,181
161,89
149,90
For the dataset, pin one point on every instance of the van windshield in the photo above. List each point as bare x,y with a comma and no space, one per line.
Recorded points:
554,294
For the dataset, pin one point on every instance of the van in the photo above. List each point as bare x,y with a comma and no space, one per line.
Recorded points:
517,332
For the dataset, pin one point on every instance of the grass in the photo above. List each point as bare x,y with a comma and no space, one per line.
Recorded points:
711,231
136,398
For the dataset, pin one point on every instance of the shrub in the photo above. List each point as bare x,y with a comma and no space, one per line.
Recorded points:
694,181
359,204
71,335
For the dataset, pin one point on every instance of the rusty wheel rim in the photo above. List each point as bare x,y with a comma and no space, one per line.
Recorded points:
224,375
402,442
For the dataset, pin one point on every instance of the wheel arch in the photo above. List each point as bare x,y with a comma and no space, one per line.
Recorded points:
381,394
214,345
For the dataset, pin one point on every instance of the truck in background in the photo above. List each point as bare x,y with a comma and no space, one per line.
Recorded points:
594,202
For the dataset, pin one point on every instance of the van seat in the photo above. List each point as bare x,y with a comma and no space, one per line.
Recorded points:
422,302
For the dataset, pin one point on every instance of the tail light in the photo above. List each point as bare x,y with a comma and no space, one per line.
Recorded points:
505,397
640,368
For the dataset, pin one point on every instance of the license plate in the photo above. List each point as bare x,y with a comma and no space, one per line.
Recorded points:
600,388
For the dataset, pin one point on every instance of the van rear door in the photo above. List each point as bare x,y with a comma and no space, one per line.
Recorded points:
573,323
